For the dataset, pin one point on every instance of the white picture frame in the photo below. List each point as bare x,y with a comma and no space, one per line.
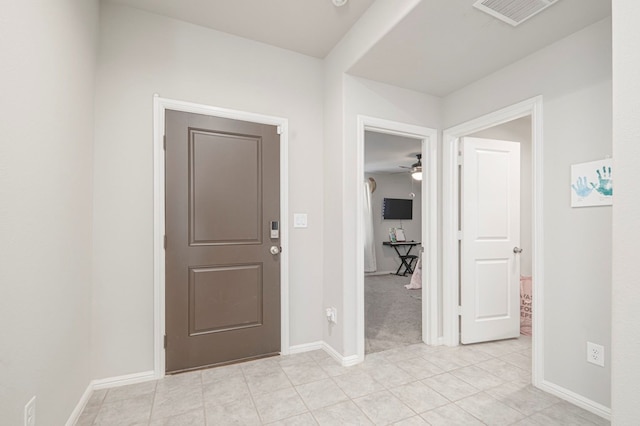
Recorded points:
592,184
392,235
400,237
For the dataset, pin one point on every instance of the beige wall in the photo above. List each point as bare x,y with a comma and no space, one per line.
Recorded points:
574,78
339,160
626,212
50,175
142,54
46,81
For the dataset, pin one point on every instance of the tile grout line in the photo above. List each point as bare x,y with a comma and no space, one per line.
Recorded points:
300,396
99,407
204,402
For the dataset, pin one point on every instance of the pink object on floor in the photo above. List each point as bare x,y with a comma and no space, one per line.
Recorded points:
526,286
416,277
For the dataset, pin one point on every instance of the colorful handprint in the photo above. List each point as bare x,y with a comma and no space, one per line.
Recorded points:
605,184
581,188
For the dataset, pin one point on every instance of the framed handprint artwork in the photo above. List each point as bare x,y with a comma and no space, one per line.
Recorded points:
592,184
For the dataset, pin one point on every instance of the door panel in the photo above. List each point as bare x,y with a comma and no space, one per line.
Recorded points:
490,212
222,283
221,167
224,298
492,289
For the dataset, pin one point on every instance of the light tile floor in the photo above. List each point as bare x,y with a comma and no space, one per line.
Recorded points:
484,384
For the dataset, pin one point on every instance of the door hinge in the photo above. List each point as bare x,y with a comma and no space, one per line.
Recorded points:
165,242
279,130
164,142
459,311
459,159
459,235
165,341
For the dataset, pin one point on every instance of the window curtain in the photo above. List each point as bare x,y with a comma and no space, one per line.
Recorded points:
369,241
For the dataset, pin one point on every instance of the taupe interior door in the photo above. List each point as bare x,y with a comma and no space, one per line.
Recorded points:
222,280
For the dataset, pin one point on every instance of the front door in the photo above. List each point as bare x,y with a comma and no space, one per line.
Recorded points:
489,261
222,279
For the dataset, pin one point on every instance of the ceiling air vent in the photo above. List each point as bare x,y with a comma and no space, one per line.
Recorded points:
513,12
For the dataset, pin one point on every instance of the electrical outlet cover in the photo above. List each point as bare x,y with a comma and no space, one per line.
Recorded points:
595,354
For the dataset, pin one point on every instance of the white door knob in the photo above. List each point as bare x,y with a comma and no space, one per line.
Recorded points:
274,250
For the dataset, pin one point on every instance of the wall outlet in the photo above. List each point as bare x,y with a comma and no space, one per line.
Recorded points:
595,354
332,315
30,412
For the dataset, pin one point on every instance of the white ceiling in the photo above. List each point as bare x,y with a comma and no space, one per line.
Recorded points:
386,153
440,47
444,45
311,27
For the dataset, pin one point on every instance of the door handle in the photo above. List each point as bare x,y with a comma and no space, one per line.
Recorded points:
517,250
274,250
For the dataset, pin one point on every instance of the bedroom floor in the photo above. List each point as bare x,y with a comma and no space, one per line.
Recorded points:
483,384
393,314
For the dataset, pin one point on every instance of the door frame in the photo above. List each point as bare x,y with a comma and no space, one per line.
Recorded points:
159,107
429,143
450,191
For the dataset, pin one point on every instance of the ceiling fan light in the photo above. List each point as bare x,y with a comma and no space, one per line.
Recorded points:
339,3
416,168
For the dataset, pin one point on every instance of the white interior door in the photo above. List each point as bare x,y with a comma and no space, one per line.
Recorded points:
490,213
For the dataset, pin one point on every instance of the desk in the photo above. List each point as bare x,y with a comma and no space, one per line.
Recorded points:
406,259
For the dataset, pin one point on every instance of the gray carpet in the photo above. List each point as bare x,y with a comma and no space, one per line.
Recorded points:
392,314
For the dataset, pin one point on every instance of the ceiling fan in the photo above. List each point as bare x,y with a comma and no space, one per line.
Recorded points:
416,168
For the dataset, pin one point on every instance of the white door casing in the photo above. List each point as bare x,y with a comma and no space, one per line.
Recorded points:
490,224
430,311
159,106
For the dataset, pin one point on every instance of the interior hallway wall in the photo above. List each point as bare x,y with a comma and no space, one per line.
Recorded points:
46,138
626,213
339,276
373,99
142,54
574,77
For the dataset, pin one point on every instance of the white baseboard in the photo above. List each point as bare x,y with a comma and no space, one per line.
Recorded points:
576,399
438,341
345,361
127,379
307,347
334,354
349,361
75,414
145,376
110,382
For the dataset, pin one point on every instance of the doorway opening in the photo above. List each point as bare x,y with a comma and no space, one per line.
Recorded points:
523,123
161,105
393,232
424,140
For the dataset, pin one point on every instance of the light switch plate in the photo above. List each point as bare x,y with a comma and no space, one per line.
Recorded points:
299,220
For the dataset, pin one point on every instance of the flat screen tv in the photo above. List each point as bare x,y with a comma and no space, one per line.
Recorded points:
397,208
